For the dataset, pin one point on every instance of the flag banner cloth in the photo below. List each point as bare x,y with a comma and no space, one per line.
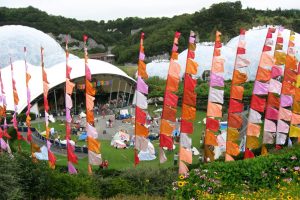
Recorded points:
167,125
51,157
189,101
236,105
140,101
215,98
260,93
93,144
72,158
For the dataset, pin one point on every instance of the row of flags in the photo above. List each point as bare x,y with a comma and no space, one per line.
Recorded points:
276,96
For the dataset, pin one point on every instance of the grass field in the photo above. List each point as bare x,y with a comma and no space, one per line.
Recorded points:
122,159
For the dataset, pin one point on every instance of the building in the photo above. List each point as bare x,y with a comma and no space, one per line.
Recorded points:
106,57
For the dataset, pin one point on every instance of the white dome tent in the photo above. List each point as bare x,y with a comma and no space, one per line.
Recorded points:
204,52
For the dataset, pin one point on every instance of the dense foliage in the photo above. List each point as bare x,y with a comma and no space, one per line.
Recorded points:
226,17
241,177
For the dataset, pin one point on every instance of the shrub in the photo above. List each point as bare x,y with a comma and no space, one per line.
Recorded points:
241,176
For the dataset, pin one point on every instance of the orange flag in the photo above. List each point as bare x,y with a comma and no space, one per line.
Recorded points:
295,118
69,86
252,142
189,98
16,97
214,110
291,62
218,65
191,67
90,116
172,84
266,60
141,130
232,148
273,100
210,138
234,120
185,155
188,112
288,88
279,57
174,69
239,77
166,128
237,92
296,107
142,69
253,129
228,157
263,74
89,88
93,144
169,113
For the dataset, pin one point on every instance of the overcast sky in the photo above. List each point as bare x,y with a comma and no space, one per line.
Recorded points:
113,9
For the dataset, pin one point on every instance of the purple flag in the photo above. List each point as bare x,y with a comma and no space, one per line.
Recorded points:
286,100
260,88
142,86
142,56
71,168
216,80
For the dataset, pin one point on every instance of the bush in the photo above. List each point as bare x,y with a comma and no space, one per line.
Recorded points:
241,176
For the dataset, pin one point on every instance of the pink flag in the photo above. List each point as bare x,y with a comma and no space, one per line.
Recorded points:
71,168
88,74
174,69
286,100
69,103
192,40
3,144
183,169
271,113
275,86
68,116
141,143
185,155
91,131
270,126
140,100
89,101
216,80
216,95
69,87
276,71
282,127
260,88
142,86
285,114
142,56
162,156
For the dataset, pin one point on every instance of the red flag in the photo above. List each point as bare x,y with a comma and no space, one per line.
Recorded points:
169,113
85,37
235,106
212,124
189,83
71,155
191,54
257,103
170,99
140,115
267,48
165,141
279,40
248,154
218,44
241,50
186,126
242,31
136,158
269,35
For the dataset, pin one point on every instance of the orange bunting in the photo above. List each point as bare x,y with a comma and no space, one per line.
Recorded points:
142,69
210,138
93,145
169,113
232,148
141,130
166,128
191,67
172,84
188,112
288,88
237,92
239,77
263,74
234,120
89,88
291,62
90,117
189,98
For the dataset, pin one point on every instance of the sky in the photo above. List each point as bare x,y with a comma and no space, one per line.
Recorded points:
112,9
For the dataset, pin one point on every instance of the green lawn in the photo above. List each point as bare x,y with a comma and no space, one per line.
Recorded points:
122,159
